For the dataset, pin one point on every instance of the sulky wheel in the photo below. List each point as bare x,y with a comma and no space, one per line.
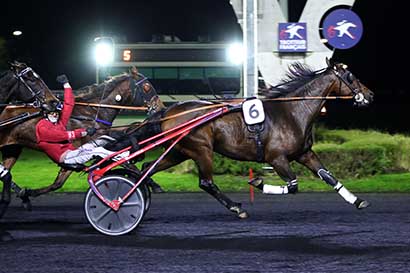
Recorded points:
106,220
146,192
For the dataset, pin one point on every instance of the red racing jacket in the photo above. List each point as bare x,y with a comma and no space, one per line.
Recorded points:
54,139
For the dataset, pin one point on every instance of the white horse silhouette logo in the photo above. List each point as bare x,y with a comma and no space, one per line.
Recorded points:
343,28
293,31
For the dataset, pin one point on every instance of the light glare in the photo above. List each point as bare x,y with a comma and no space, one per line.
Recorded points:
236,53
104,53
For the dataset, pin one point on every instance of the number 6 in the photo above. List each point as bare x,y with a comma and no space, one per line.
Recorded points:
253,112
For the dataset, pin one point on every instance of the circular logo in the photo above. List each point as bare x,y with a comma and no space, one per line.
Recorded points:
342,28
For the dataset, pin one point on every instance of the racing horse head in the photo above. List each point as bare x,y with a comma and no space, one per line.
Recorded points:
127,89
338,81
146,94
346,84
21,83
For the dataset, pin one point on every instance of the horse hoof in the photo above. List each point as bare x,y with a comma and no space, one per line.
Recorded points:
243,215
24,193
256,182
157,189
293,189
240,212
27,204
361,204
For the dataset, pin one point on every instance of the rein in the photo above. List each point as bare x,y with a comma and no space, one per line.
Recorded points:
290,99
20,105
273,99
310,98
112,106
225,103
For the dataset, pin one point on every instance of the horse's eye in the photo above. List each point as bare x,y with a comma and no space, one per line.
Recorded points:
350,78
31,79
146,87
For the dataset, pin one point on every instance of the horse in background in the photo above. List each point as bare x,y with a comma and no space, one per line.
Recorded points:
122,90
284,136
21,84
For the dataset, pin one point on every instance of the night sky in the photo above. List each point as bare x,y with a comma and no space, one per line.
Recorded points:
57,35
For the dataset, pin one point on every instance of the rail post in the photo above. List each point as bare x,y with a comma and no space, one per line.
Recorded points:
251,191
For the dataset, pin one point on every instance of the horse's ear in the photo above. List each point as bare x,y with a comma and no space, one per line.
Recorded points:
331,63
327,62
13,65
134,72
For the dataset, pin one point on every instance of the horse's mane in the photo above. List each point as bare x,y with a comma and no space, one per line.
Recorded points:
3,73
298,75
6,79
100,91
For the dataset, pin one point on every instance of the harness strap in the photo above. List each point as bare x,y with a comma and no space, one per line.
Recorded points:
103,121
256,130
19,118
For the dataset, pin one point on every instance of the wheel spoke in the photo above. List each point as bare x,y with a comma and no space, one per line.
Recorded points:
131,204
120,221
103,214
117,189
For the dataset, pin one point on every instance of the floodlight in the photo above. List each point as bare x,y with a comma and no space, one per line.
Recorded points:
235,53
104,52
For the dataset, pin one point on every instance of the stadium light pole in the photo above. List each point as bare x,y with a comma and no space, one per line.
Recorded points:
250,40
103,53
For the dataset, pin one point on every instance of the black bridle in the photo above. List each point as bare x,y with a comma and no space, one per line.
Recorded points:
353,84
140,96
37,94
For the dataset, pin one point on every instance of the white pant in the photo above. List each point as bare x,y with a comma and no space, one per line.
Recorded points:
84,153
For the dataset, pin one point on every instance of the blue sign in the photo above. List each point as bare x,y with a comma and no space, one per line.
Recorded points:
342,28
292,37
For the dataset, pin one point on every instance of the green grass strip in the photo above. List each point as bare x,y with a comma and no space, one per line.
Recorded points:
35,170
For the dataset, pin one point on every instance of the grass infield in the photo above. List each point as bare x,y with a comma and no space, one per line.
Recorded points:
34,169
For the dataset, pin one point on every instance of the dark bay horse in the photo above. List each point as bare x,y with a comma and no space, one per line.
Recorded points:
21,84
286,134
122,90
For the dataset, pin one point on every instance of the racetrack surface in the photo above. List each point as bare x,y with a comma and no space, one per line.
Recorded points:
191,232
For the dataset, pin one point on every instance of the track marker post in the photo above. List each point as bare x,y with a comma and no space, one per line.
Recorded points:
251,191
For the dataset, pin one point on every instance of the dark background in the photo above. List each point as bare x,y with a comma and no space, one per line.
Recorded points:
58,38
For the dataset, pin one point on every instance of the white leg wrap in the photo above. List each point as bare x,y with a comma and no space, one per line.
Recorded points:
345,193
3,171
270,189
